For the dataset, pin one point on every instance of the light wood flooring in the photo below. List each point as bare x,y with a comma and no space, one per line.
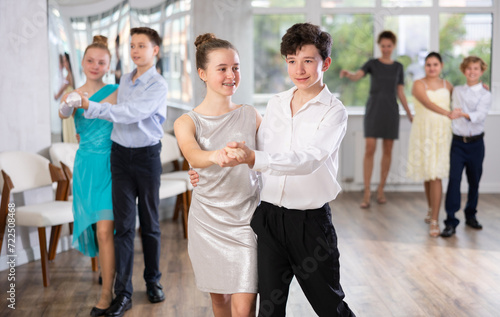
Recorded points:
389,267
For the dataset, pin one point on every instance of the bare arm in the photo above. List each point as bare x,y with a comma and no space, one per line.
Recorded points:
185,133
404,102
352,76
418,91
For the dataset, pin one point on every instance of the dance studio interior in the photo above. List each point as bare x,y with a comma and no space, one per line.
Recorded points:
391,263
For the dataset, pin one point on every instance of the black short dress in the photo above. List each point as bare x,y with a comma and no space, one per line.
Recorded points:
382,110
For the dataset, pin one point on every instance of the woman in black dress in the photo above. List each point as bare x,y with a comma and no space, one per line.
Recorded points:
382,111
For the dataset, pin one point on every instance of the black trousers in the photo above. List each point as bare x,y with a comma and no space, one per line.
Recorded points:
300,243
135,176
468,156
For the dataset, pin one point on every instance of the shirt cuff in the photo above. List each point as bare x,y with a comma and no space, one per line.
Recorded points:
261,161
473,117
93,111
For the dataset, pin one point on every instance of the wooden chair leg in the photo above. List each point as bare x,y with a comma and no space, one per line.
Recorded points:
70,228
177,207
44,256
189,195
185,214
94,264
55,234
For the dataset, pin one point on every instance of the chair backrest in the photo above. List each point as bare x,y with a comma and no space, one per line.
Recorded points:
63,152
27,170
170,151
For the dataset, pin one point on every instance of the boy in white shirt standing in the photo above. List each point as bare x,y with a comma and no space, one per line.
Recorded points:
471,103
298,143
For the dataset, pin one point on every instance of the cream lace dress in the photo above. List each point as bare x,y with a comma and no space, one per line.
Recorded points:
430,139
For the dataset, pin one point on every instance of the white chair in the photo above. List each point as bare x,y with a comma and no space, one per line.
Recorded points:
63,152
23,171
170,153
61,155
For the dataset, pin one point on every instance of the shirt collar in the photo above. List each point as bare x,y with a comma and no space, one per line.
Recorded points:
476,87
144,78
323,97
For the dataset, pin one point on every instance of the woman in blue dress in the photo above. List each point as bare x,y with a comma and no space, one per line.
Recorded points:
92,207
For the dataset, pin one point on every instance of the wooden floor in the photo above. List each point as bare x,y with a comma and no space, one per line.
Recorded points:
389,267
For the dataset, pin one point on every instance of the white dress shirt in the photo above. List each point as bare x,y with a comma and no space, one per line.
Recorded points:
476,102
298,156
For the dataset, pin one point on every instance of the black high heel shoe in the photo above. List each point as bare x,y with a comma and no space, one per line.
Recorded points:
95,312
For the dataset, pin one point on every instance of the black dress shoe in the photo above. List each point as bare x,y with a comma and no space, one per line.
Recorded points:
119,306
448,232
155,292
473,223
95,312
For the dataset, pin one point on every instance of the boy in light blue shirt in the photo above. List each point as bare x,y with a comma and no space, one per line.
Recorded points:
135,166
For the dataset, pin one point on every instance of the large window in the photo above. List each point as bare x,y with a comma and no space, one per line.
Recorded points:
278,3
461,35
455,28
347,3
176,62
270,70
171,19
413,45
110,23
352,47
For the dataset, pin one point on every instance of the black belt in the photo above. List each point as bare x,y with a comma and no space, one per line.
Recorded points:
468,139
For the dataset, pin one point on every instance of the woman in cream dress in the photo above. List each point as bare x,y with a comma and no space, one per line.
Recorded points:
430,136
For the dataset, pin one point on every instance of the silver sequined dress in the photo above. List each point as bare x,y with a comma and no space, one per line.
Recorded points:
221,245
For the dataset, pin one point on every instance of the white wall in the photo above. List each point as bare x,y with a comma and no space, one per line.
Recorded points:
352,151
24,97
231,21
25,101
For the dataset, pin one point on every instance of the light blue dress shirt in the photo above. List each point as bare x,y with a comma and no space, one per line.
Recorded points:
476,102
140,112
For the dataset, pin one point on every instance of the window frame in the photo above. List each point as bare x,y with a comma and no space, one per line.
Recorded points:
313,12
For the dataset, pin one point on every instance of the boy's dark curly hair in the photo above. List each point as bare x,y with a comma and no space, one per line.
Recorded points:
301,34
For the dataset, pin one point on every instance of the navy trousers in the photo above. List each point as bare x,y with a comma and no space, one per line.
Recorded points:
469,156
135,176
300,243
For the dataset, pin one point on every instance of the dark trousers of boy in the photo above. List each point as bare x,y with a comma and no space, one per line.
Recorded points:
135,175
300,243
468,155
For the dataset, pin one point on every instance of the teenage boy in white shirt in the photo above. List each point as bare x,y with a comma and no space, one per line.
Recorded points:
471,102
298,143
